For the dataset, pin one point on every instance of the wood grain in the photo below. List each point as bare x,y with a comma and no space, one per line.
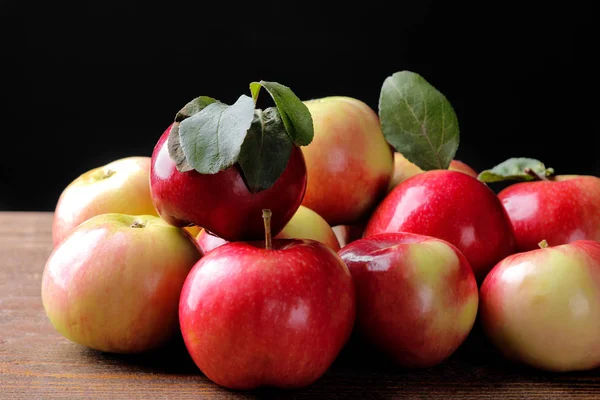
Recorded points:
37,363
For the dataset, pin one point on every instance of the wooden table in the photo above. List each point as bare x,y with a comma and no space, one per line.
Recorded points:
37,363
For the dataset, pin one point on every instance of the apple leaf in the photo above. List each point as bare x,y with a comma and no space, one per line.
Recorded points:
265,151
194,107
418,120
516,169
173,142
294,113
211,138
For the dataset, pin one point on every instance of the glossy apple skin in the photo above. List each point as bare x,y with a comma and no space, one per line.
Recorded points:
221,203
349,161
114,287
122,186
558,211
305,224
542,307
416,296
404,169
253,317
451,206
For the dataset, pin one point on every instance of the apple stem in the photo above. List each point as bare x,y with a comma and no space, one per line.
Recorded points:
108,173
535,175
266,214
543,244
138,224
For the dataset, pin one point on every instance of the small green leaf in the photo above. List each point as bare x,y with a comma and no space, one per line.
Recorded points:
173,142
516,169
194,107
211,139
418,120
265,151
294,113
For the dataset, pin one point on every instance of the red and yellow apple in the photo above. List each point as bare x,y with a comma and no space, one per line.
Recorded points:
542,307
113,283
122,186
349,162
561,210
252,316
305,224
416,296
404,169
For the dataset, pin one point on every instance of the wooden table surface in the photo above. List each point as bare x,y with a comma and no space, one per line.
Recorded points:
38,363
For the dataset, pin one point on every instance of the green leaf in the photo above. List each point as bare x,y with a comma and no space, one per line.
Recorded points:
294,113
265,151
194,107
173,142
211,139
418,120
516,169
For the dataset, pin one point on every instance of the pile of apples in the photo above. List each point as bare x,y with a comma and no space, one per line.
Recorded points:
267,286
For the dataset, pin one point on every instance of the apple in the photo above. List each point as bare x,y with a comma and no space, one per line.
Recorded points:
349,161
274,313
416,296
542,307
404,169
193,230
349,233
113,283
221,202
460,166
305,224
561,210
451,206
121,186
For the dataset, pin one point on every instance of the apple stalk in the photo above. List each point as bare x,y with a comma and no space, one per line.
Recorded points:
266,214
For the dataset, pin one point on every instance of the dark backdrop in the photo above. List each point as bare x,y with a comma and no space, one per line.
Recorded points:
85,84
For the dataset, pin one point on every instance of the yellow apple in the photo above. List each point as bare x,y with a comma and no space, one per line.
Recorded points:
305,224
122,186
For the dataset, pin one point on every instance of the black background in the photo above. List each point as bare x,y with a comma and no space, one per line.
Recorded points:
84,84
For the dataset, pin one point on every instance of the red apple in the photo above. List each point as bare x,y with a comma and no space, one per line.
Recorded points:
404,169
222,203
305,224
452,206
255,317
542,307
349,161
113,284
121,186
416,296
560,211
